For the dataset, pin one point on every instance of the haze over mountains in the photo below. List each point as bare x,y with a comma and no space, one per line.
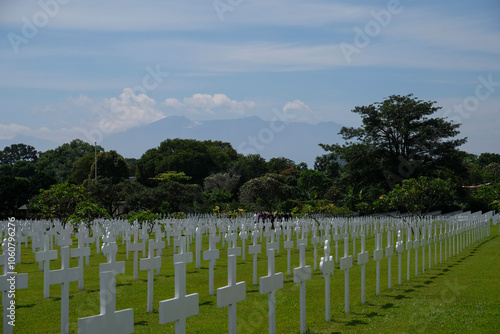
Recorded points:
296,141
248,135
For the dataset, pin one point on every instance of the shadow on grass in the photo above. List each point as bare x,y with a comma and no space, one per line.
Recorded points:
207,303
25,306
387,306
141,323
356,322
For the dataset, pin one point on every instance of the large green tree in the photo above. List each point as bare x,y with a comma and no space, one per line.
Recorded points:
196,159
18,152
398,139
59,161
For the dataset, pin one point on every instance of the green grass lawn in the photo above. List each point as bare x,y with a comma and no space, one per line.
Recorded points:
461,295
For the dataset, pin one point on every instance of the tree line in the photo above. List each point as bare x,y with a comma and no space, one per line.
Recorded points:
401,158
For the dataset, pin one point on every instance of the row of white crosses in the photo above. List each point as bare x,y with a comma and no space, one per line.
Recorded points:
455,232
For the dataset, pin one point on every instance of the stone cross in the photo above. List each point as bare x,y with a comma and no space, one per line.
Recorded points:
243,237
150,264
110,249
416,245
288,243
231,294
97,233
302,274
135,247
389,251
109,320
45,256
399,251
378,254
363,258
327,266
423,243
211,255
336,238
254,249
409,246
157,246
181,307
80,253
144,237
10,281
199,240
345,265
314,242
64,276
269,284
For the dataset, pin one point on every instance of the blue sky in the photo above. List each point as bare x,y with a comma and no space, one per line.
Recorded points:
87,69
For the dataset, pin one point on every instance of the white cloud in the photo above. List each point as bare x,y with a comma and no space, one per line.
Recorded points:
210,104
127,111
301,111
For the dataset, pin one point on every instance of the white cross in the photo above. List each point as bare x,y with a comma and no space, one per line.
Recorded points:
315,241
158,246
64,276
110,249
301,275
135,247
211,255
363,258
97,233
254,249
389,251
288,245
243,237
150,264
327,266
45,256
110,320
179,308
199,241
80,253
10,281
269,284
64,239
378,254
231,294
345,264
399,251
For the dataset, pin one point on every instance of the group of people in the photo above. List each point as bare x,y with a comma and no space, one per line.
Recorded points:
271,217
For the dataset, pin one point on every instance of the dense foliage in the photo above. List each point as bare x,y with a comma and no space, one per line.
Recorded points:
400,159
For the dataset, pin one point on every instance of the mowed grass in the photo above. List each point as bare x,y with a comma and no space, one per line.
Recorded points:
461,295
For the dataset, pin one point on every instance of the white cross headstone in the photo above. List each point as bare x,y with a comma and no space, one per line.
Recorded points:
345,265
378,254
327,266
423,243
182,306
389,251
363,258
399,251
254,249
416,245
199,240
109,320
80,253
269,284
211,255
64,276
109,250
302,274
409,246
135,247
231,294
314,242
45,256
288,245
150,264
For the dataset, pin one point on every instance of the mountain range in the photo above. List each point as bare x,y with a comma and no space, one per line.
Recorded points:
293,140
248,135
